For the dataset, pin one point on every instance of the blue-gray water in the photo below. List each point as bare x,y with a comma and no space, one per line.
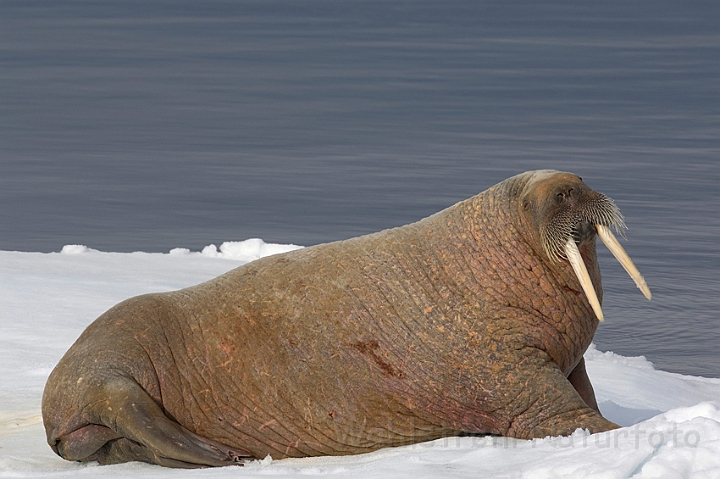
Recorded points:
152,125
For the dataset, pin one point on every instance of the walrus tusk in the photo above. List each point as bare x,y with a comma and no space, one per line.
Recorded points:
573,255
617,250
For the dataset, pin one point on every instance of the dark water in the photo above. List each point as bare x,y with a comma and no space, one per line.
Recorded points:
152,125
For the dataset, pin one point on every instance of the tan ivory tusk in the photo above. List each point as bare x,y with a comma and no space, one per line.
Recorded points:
578,265
617,250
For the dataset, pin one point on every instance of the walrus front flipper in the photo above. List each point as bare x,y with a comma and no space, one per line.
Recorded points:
136,429
555,410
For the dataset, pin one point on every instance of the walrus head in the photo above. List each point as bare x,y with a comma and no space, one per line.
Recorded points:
566,214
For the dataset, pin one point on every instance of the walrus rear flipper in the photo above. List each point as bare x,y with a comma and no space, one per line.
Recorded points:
136,429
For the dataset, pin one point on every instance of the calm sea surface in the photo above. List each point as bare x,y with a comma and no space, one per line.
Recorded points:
151,125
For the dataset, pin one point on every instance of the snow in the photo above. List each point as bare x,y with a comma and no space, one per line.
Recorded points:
671,422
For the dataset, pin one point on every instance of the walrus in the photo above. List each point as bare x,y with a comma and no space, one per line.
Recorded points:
471,321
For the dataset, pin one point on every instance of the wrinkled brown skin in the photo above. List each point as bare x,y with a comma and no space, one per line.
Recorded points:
455,324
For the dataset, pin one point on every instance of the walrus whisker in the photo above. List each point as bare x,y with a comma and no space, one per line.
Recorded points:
573,255
617,250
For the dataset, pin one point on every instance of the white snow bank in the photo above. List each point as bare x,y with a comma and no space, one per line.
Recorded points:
245,251
46,300
77,249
